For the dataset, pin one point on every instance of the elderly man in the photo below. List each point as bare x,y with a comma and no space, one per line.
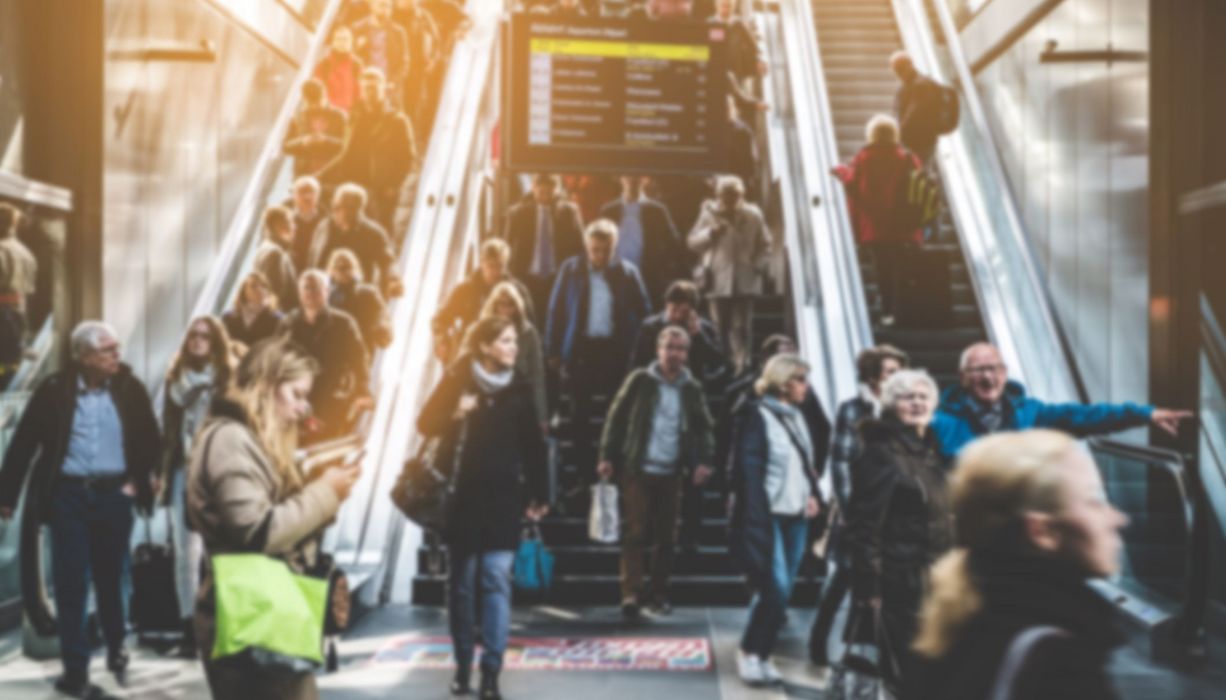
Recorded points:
543,230
308,213
332,337
988,402
91,438
348,227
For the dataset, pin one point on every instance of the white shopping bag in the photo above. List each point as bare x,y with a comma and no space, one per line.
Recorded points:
603,522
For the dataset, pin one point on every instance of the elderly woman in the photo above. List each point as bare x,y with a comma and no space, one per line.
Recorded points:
898,521
735,245
1033,528
774,481
876,182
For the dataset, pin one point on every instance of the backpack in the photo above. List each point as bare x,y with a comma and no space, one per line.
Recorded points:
948,109
919,204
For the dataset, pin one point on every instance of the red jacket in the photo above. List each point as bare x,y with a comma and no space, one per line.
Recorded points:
876,182
339,74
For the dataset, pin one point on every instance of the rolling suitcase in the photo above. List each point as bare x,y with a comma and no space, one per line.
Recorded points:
925,297
154,604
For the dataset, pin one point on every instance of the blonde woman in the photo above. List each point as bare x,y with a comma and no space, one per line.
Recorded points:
898,520
1034,526
507,302
254,316
245,494
774,481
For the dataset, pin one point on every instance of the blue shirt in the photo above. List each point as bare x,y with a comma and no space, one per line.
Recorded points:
630,236
95,445
600,306
542,257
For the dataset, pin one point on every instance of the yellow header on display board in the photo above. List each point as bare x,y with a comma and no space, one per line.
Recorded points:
621,49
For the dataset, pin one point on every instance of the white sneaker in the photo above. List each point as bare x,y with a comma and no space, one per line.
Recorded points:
770,673
749,666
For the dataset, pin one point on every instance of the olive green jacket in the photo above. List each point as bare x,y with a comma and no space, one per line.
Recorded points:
627,429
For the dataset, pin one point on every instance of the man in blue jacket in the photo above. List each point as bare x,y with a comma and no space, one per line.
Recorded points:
597,306
987,402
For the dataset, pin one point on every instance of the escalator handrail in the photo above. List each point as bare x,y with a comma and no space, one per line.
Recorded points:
1167,461
1001,308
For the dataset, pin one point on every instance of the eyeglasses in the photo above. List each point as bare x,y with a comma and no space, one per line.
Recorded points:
984,369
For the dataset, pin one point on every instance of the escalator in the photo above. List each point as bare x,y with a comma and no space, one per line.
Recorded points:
998,292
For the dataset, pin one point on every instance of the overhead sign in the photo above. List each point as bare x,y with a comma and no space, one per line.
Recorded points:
614,95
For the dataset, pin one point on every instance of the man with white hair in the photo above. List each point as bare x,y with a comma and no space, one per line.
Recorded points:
735,245
90,436
987,401
342,387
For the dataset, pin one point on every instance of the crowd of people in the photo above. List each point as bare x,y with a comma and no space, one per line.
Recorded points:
961,523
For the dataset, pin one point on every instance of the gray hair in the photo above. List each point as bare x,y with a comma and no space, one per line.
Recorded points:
903,381
316,274
881,128
350,191
603,229
729,182
670,332
88,335
307,182
778,370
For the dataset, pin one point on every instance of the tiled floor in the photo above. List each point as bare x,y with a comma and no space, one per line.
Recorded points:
153,678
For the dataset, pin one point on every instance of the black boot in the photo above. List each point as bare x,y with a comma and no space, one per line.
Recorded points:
187,645
489,686
462,683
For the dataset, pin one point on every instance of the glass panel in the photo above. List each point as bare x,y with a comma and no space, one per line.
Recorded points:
11,404
10,87
1156,542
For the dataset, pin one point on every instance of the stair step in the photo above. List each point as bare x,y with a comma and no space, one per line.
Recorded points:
684,591
712,532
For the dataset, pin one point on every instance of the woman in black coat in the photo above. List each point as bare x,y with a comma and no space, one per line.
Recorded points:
898,520
483,411
1010,614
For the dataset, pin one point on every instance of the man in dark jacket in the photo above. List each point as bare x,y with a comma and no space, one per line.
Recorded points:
646,237
543,231
873,367
380,152
597,304
308,212
382,44
706,356
342,387
349,228
917,105
464,303
658,433
987,402
92,440
317,132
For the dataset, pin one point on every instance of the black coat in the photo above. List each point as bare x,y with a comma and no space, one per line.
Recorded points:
751,532
42,435
501,453
365,304
664,255
899,519
264,326
520,234
367,240
707,360
335,342
740,391
1019,594
379,153
463,304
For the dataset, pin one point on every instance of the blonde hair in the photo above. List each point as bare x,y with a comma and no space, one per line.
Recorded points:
997,480
260,375
881,128
603,229
505,291
345,254
496,249
778,370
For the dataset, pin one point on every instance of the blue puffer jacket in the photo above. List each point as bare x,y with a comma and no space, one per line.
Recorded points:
956,424
568,306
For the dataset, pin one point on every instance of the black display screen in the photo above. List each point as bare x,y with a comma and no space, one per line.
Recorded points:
614,95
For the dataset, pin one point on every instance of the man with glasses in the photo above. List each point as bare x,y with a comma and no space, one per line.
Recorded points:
91,437
986,402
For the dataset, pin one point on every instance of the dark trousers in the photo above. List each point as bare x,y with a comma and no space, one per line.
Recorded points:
650,505
596,368
691,513
888,259
834,590
90,530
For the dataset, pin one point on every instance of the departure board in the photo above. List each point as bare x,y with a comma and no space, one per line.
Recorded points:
614,95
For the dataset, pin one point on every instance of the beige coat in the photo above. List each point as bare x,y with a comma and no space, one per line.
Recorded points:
230,497
18,267
735,249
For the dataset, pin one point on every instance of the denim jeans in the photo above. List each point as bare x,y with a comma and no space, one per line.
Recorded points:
482,578
90,530
189,548
768,611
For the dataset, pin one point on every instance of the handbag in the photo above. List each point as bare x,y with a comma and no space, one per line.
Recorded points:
533,568
425,490
858,676
603,521
154,603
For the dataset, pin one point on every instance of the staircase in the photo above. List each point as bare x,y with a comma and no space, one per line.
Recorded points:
856,38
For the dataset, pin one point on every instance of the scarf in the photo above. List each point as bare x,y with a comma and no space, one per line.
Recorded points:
491,382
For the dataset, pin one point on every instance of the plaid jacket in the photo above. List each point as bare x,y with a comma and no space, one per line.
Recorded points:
846,443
